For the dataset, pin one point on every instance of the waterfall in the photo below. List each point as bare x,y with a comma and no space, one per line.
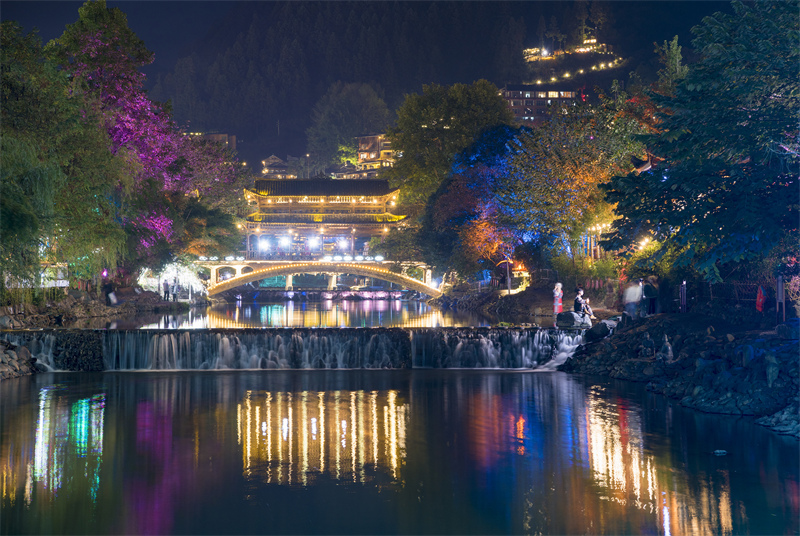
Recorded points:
299,348
492,348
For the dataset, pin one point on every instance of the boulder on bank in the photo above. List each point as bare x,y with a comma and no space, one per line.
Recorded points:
573,320
15,361
705,363
601,330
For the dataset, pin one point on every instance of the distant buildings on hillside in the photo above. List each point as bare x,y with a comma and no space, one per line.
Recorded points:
373,153
531,103
226,139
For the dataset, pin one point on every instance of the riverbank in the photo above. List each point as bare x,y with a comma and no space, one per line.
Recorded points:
707,364
85,309
534,304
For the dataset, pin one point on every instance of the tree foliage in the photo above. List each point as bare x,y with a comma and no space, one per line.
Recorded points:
89,165
434,126
343,113
58,175
728,191
554,170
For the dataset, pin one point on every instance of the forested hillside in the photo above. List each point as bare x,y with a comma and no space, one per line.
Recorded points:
288,54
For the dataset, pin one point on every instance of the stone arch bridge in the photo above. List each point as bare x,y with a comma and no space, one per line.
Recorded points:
247,272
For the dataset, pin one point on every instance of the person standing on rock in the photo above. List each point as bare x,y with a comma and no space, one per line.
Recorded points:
558,293
166,290
582,304
174,289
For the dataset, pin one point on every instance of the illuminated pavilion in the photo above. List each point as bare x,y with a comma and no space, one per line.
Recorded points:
310,217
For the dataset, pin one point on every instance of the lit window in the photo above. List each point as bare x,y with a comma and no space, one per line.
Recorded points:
552,94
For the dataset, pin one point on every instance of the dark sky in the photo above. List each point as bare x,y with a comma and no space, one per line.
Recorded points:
172,28
169,29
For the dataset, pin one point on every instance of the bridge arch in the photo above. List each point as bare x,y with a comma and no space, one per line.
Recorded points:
367,270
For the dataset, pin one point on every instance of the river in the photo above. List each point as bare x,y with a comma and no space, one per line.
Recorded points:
324,313
380,452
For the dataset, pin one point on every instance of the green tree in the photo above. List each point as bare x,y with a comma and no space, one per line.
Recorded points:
555,170
728,191
58,175
345,112
434,126
669,54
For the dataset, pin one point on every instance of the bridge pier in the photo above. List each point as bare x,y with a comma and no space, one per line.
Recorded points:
332,280
288,282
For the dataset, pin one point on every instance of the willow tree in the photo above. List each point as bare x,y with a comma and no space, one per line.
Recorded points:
58,176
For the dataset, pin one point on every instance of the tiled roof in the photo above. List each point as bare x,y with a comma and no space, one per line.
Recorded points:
325,218
321,187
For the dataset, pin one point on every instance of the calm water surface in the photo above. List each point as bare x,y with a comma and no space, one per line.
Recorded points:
380,452
322,314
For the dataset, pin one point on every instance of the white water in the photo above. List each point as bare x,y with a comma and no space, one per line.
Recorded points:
301,348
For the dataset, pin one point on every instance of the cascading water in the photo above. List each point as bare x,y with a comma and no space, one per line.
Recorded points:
492,348
255,349
300,348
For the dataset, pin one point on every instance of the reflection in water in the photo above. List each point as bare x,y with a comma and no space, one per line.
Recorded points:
628,474
320,314
290,438
406,452
67,449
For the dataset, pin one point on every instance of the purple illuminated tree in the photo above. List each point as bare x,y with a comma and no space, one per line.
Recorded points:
103,56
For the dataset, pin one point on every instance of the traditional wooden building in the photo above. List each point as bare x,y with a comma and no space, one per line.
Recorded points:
309,217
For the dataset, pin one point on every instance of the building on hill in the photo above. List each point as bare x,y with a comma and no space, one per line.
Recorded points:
374,153
225,139
275,168
531,103
308,218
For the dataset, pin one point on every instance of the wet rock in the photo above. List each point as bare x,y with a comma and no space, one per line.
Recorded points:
748,373
601,330
573,320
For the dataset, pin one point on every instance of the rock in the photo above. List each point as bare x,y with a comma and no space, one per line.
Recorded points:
730,337
665,353
6,323
789,330
599,331
23,354
572,320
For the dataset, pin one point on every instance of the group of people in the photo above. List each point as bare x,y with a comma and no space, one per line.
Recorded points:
581,304
171,289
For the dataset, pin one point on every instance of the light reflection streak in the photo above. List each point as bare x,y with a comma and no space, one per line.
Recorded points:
335,314
322,432
631,475
67,449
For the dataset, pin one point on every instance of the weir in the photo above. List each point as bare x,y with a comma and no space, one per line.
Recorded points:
299,348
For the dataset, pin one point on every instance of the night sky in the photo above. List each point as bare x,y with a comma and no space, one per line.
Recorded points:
174,30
